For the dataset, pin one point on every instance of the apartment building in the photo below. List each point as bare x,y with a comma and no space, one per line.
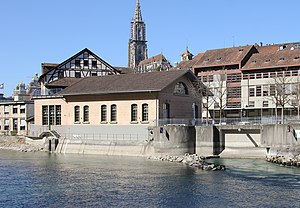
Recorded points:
249,81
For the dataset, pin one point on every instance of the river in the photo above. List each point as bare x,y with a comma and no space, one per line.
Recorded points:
49,180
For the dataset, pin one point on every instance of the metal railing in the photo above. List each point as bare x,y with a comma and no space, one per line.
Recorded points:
107,137
228,121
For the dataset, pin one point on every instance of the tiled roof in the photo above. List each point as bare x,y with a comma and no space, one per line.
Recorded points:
124,70
276,59
126,83
224,56
158,58
272,48
189,64
63,82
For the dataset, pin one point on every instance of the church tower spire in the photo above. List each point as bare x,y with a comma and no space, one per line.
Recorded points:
137,46
138,13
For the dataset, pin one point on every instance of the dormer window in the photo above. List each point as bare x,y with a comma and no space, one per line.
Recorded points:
241,49
207,59
281,59
253,62
219,58
297,57
267,60
282,47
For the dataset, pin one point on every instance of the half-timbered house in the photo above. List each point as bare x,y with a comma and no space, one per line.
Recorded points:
85,63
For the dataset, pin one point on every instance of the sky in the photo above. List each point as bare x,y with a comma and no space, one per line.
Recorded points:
51,31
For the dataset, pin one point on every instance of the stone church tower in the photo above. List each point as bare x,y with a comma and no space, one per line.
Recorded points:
137,46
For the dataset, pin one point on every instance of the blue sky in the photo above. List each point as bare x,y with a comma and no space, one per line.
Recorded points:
37,31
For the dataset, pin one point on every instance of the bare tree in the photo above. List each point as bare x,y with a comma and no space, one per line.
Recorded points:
220,93
205,90
295,102
282,93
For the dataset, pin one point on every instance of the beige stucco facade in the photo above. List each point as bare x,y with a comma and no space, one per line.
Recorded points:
181,106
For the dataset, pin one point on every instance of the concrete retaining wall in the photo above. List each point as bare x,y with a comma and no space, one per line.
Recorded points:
278,135
119,148
174,140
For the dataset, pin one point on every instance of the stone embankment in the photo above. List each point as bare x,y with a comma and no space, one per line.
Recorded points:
190,160
285,156
19,144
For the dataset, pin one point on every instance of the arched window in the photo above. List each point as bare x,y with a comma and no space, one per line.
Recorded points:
180,89
86,113
196,112
103,113
134,112
76,114
145,112
113,113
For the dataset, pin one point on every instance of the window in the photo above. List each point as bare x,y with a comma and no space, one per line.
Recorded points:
234,78
272,74
86,113
15,124
258,91
272,90
294,73
77,74
246,76
233,105
76,114
22,109
281,59
252,76
93,74
22,124
15,110
86,63
6,124
266,75
180,89
6,109
279,74
113,113
145,112
58,115
77,63
45,115
133,112
252,92
52,115
196,113
265,103
94,64
265,90
103,113
258,76
233,92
